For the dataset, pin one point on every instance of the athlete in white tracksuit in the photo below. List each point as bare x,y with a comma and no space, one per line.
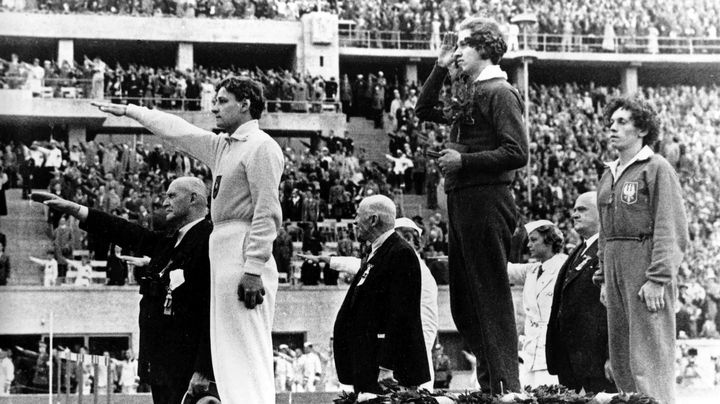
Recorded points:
245,209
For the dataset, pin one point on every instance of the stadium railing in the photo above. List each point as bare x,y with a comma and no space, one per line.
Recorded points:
352,38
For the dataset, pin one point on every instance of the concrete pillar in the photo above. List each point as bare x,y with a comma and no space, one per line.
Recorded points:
76,134
518,78
185,56
629,80
66,51
318,52
411,73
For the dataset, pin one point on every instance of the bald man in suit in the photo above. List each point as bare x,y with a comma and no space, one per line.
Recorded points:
576,346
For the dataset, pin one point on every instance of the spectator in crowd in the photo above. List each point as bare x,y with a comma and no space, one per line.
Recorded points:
545,242
50,268
4,184
4,265
643,235
129,378
310,369
442,368
83,271
7,373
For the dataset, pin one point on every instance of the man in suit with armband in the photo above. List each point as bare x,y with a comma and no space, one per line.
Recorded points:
174,278
487,143
576,347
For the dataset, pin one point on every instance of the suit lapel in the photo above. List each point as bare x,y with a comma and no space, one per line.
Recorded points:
545,279
580,263
367,274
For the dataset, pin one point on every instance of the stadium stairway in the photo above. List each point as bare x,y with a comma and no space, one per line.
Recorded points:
26,230
365,137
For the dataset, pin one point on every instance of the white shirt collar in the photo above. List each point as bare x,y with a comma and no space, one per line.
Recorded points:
590,241
379,241
491,72
645,153
242,132
183,230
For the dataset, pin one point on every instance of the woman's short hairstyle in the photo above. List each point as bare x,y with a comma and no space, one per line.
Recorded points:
485,37
244,88
552,236
642,114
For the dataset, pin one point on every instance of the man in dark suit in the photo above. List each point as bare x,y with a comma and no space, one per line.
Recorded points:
577,336
174,352
378,338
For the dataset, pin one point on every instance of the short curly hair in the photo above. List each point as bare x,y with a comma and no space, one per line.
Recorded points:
642,114
551,236
485,37
244,88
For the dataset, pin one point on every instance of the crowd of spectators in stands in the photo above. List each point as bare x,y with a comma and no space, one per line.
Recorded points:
325,180
164,87
426,20
243,9
568,148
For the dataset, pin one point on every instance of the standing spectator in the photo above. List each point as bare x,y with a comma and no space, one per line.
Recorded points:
27,174
643,235
283,368
442,368
129,373
98,67
310,368
282,252
346,96
7,373
478,168
4,265
50,268
83,270
432,179
419,171
3,184
116,269
193,93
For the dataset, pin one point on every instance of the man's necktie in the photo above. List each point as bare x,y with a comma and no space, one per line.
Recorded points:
540,271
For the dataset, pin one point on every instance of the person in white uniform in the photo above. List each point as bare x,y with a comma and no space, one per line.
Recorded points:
246,164
408,230
538,279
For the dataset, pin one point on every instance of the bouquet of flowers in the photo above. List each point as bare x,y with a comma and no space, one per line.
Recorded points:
458,104
555,394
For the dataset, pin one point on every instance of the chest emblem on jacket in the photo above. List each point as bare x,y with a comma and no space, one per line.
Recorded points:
216,186
629,192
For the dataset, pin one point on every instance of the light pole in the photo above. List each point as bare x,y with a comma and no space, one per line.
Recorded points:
525,20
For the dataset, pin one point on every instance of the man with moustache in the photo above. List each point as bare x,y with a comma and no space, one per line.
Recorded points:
487,143
246,164
576,347
174,354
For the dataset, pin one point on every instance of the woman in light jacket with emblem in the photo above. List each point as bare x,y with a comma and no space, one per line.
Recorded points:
538,280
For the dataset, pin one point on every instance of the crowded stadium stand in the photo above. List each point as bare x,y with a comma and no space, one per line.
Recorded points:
341,87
